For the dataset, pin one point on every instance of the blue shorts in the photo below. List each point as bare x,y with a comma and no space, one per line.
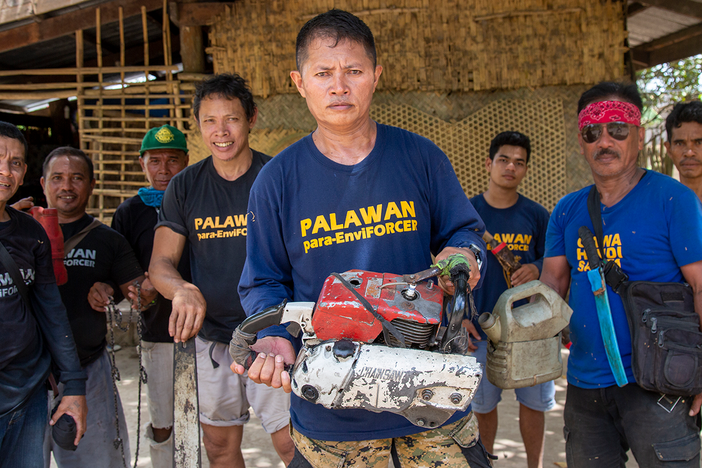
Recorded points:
539,397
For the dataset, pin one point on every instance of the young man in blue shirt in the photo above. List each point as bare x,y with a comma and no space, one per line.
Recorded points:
520,223
652,226
353,194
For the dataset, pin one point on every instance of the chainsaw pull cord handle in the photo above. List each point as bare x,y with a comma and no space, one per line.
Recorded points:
245,334
388,328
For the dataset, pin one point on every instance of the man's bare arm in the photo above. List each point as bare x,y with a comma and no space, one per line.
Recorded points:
693,276
555,274
188,303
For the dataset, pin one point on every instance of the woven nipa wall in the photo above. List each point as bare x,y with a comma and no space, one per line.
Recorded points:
437,45
466,142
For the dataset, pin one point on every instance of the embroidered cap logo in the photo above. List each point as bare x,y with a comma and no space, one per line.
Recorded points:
164,135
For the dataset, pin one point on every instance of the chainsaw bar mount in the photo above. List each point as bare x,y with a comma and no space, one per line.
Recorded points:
423,386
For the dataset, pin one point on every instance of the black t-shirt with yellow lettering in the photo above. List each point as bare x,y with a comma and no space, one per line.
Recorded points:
211,213
105,256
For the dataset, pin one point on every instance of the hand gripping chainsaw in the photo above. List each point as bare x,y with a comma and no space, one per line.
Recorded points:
379,342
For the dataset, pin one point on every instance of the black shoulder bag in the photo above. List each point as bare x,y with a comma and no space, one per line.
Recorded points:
666,342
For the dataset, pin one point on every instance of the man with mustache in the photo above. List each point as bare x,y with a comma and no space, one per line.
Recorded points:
101,266
652,226
684,146
163,154
33,337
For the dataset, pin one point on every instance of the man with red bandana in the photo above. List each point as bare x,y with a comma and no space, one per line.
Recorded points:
651,229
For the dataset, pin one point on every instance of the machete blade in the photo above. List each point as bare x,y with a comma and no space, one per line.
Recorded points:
186,408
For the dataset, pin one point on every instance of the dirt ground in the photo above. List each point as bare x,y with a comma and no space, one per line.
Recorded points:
258,451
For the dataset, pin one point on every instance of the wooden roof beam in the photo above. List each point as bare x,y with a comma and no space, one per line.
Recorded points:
62,25
682,7
135,55
676,46
635,8
197,13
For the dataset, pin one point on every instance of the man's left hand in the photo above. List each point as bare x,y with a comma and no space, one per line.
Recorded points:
470,327
99,296
148,293
76,407
445,282
525,274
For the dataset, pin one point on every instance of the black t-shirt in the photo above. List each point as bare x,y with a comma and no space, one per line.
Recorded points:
136,221
105,256
211,213
30,340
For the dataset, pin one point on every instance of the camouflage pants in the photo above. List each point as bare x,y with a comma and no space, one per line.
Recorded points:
455,445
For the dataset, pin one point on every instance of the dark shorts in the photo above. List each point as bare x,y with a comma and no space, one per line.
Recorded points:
601,425
455,445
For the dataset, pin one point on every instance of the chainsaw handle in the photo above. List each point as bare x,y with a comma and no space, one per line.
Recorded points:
263,319
455,316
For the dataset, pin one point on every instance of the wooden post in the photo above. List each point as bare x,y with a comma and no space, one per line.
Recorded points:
122,48
192,50
100,157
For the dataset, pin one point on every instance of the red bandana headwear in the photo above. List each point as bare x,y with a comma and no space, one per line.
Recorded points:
604,112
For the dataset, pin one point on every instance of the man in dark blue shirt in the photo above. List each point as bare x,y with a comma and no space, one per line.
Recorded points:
521,224
33,335
353,194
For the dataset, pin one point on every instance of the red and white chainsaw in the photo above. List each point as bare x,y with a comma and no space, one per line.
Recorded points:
379,342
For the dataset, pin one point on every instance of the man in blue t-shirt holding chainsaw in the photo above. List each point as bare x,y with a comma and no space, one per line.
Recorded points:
354,194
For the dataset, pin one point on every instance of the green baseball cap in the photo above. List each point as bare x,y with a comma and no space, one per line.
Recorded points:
163,137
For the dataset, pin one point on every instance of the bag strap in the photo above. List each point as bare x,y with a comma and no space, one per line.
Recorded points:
593,208
12,268
614,276
75,240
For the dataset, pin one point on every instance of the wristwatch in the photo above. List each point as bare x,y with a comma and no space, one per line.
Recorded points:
478,252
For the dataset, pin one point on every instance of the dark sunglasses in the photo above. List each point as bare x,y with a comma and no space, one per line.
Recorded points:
617,130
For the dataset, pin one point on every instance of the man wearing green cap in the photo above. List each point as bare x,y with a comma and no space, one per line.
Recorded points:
164,153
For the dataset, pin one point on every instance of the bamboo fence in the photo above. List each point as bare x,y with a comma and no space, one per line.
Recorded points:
114,113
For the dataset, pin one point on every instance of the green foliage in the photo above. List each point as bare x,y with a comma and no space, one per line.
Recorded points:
665,85
661,88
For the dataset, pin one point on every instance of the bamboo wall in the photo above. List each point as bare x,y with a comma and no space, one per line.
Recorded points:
114,115
437,45
455,71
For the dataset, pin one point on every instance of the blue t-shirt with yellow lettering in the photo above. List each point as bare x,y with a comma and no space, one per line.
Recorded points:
310,216
522,227
210,212
651,232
